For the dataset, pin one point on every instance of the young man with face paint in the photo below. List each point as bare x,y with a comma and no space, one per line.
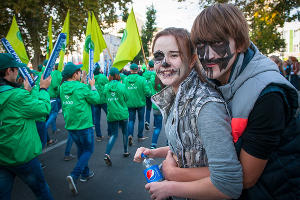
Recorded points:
263,104
200,161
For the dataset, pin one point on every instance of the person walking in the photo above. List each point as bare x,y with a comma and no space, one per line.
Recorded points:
137,90
19,140
76,100
117,113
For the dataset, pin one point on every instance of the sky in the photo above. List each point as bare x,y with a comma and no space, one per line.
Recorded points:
170,13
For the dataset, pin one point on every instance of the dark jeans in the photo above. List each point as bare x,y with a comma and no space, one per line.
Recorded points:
156,132
68,145
132,113
41,128
53,115
114,129
148,109
30,173
84,140
97,117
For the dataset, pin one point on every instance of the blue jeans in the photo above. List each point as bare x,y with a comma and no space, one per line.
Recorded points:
30,173
68,145
84,140
141,113
53,115
97,116
114,128
156,132
41,128
148,109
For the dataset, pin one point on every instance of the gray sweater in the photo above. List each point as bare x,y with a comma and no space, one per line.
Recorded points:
215,132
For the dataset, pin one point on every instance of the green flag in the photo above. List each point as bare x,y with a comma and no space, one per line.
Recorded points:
49,39
63,50
87,43
97,38
130,43
15,39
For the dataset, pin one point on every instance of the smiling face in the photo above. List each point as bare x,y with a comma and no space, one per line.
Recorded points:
217,58
168,64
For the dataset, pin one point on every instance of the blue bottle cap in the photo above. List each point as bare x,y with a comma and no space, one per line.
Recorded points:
143,156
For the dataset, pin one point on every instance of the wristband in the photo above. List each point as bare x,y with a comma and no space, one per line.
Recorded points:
43,89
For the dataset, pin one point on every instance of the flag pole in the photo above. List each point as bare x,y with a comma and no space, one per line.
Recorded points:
112,60
146,62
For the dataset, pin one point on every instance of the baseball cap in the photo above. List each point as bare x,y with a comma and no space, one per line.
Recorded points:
151,63
69,69
134,66
113,71
7,60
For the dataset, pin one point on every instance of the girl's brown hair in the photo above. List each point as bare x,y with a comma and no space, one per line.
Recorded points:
186,48
219,22
114,77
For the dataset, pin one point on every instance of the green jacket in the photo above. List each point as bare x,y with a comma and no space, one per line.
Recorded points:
100,81
137,90
35,94
55,83
76,101
154,91
19,139
123,77
116,98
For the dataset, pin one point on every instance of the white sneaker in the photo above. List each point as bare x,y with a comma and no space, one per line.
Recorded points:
72,185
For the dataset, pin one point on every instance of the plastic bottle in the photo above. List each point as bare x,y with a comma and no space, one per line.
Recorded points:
151,171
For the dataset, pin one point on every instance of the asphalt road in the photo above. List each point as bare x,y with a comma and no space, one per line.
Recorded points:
124,180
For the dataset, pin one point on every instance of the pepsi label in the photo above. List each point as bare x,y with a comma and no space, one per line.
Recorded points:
153,174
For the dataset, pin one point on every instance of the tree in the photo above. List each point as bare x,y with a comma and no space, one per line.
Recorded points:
147,34
265,18
33,17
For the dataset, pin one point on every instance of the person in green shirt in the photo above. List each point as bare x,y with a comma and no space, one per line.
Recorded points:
54,98
76,100
100,81
137,90
149,74
117,112
19,140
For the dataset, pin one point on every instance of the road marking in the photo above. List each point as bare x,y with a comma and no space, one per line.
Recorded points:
54,146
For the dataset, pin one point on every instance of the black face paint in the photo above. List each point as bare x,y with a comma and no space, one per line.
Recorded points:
160,58
221,48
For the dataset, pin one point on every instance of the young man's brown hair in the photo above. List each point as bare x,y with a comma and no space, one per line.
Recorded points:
219,22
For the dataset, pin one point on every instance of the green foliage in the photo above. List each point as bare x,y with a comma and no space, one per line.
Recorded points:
147,34
265,17
33,17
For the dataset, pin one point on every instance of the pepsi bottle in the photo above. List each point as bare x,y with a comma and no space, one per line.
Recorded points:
151,172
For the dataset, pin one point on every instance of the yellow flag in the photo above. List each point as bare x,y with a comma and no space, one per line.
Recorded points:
15,39
49,39
97,39
88,40
130,43
63,50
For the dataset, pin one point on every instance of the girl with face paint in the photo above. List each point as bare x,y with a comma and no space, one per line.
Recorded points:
197,163
262,103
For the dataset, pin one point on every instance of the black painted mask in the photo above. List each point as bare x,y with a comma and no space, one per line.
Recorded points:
221,48
160,58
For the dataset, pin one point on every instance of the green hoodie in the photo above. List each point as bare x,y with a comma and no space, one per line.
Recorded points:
137,90
19,139
100,81
116,98
76,101
55,83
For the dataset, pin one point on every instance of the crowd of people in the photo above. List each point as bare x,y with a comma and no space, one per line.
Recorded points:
231,120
